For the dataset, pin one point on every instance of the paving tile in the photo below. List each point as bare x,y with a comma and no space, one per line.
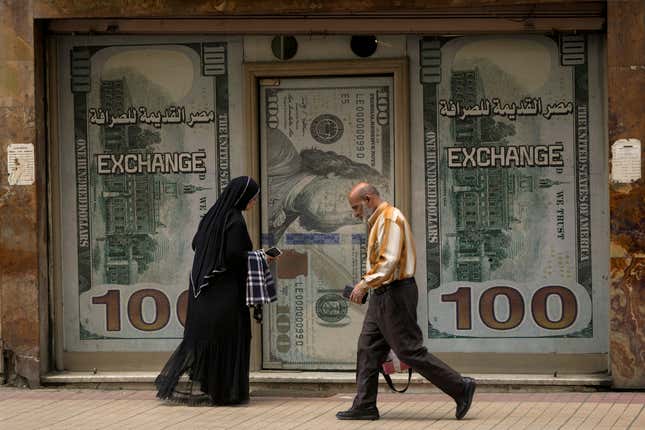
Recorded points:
639,420
579,416
516,415
57,409
543,420
522,420
317,420
14,407
532,413
410,414
432,416
594,418
122,411
612,416
48,416
554,416
293,414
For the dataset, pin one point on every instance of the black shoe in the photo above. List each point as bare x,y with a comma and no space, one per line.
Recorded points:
464,401
359,414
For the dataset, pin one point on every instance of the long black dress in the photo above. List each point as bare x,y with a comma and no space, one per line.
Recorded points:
215,351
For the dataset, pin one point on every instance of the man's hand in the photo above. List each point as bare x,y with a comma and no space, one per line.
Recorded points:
358,292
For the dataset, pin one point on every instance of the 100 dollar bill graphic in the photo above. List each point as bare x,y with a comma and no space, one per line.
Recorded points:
507,190
151,155
319,138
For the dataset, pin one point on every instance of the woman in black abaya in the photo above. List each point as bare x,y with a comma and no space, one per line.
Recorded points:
215,350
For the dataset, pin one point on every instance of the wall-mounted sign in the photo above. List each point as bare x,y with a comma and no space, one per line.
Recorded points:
511,180
20,164
145,150
626,160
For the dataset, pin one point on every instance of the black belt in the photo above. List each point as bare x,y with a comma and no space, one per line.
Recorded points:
394,284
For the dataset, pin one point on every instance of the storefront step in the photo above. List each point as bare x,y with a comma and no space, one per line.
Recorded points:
328,383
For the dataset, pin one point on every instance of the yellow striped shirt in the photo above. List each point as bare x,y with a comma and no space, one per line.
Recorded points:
390,247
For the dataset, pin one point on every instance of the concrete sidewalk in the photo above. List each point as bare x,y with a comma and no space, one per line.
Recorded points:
123,409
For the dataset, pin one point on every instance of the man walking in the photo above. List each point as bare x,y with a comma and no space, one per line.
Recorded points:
391,319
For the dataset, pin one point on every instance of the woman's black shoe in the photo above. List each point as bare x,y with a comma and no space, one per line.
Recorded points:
359,414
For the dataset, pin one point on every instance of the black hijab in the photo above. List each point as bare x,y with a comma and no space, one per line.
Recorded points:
209,241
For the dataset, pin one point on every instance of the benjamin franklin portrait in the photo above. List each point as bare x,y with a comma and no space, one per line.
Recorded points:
311,186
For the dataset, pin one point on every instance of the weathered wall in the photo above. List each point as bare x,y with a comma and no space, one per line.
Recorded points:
626,84
19,304
164,8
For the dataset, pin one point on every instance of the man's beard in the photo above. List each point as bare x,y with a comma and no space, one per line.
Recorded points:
367,212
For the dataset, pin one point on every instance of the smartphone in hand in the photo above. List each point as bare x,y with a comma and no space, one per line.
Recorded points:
273,252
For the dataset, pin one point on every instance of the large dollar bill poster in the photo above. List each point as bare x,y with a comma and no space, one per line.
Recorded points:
145,150
514,189
319,137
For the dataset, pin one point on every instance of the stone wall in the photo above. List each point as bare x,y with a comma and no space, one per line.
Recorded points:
626,85
19,303
165,8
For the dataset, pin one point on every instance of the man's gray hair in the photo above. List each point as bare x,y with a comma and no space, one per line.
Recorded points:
368,189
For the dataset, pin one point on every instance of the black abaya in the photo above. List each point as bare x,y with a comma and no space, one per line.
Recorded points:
215,351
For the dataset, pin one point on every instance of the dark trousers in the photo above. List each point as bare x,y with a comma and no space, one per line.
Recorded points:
391,322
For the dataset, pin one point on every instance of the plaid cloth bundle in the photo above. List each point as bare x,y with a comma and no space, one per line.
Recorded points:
260,287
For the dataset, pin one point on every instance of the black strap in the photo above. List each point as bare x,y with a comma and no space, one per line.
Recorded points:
391,384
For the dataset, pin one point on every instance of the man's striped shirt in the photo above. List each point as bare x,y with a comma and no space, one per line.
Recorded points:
390,248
